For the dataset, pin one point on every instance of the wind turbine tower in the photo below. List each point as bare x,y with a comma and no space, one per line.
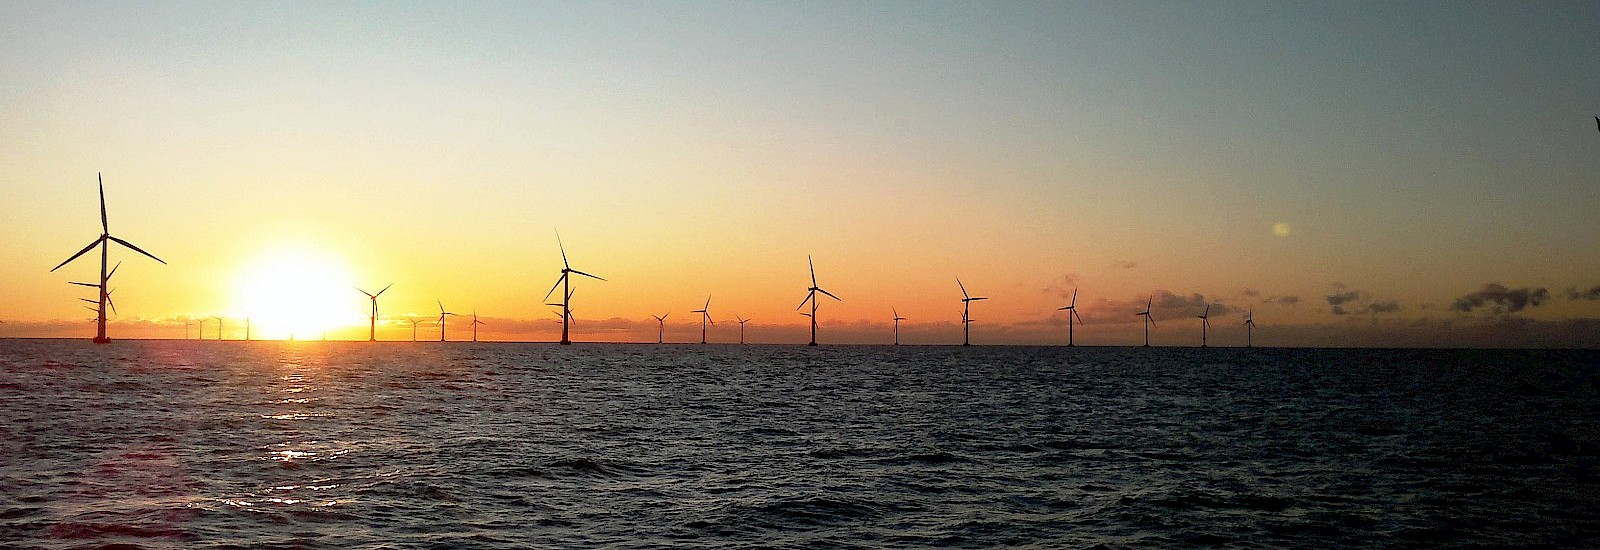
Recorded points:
414,323
742,321
104,242
1205,323
1249,329
219,327
705,317
475,323
1148,321
811,296
966,313
372,326
566,292
442,314
1072,311
897,319
661,327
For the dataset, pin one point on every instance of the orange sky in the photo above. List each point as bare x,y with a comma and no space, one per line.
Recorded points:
277,160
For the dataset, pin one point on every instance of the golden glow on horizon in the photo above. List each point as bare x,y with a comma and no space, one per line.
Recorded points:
294,292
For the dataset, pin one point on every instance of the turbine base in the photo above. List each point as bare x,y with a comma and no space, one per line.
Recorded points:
101,340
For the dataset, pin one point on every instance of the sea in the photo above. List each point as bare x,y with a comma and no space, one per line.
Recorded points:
205,444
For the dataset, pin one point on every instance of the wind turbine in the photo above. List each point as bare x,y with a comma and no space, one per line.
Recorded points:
566,293
443,313
966,313
1148,321
1205,323
475,323
1249,329
811,296
414,323
742,321
897,319
186,324
219,327
372,327
247,328
1072,311
200,334
705,317
104,242
661,326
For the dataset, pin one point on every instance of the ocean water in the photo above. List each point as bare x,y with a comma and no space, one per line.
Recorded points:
193,444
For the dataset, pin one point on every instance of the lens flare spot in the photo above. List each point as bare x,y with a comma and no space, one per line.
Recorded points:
1281,229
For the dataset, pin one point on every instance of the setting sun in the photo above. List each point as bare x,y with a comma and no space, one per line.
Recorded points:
294,293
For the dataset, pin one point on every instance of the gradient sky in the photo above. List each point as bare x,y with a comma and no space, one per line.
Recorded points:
1350,170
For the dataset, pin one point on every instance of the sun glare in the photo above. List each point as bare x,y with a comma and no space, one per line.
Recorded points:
294,293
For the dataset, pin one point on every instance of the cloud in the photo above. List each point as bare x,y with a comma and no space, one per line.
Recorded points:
1592,294
1250,292
1062,285
1503,299
1346,302
1124,264
1284,300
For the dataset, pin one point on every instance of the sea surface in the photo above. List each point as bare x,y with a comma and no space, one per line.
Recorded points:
158,444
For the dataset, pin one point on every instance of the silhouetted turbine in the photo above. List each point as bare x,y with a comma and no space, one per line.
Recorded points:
811,296
705,317
443,313
566,293
104,242
742,321
897,319
966,313
475,323
372,327
661,327
1148,321
1205,323
1072,311
414,323
219,327
1249,329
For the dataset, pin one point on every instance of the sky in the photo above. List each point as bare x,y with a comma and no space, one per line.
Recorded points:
1349,173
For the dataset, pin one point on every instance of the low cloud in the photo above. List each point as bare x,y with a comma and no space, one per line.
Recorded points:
1250,292
1124,264
1347,302
1282,300
1062,285
1501,299
1592,294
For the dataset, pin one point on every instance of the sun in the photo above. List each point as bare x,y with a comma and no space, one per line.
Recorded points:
294,293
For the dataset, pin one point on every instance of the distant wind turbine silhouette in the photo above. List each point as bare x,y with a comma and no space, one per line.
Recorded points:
414,323
104,242
1249,329
1205,323
475,323
219,327
705,317
661,327
742,321
442,314
811,296
966,313
566,293
372,327
247,328
897,319
200,333
1148,321
1072,311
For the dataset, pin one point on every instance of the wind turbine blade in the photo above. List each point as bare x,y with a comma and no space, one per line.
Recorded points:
385,289
808,299
105,226
553,287
830,294
708,301
84,284
813,267
90,301
135,248
563,250
976,299
80,252
1075,314
111,303
963,288
369,294
588,275
441,305
1074,296
113,271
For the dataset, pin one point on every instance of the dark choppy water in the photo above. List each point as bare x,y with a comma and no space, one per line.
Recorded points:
290,445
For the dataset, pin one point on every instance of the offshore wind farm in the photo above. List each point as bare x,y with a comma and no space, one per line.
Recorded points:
1399,196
